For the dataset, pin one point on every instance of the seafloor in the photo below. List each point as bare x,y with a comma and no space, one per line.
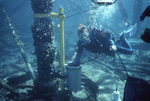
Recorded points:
108,72
105,72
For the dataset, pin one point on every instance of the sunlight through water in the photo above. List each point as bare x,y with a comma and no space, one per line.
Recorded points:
103,14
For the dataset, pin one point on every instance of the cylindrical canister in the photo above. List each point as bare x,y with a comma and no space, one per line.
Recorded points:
116,96
74,78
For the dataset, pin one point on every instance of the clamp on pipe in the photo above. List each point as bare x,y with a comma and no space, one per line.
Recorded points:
53,15
103,2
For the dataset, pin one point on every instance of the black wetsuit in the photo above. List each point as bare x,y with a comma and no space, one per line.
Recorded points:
100,41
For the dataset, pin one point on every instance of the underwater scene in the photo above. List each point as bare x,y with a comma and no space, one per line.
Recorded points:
74,50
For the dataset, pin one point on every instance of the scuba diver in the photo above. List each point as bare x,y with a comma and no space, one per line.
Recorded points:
99,41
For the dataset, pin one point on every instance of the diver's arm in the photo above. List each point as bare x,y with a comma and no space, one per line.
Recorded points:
77,55
113,47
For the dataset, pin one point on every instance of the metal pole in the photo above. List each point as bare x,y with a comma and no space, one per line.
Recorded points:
61,18
62,45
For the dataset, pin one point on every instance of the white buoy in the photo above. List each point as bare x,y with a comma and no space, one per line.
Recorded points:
116,96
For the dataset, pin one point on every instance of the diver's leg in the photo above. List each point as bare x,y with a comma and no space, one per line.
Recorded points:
125,42
126,47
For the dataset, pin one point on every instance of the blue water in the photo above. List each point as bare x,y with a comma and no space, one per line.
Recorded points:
76,12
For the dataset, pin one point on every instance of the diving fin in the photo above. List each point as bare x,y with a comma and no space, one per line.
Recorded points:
130,31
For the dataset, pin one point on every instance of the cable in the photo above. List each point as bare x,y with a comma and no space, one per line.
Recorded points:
122,64
117,87
101,3
90,59
75,9
81,12
74,4
17,8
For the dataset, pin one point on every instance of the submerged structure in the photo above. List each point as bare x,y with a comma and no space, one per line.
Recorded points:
43,35
44,83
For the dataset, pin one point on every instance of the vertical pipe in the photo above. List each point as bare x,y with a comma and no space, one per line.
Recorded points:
45,85
62,45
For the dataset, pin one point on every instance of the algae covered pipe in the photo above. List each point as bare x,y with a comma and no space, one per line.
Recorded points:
61,18
17,40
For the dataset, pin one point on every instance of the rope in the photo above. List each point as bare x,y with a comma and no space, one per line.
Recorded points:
17,40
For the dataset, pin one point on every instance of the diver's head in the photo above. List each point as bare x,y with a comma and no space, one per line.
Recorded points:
83,33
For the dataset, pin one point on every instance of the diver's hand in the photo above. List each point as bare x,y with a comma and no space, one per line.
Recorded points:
113,48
